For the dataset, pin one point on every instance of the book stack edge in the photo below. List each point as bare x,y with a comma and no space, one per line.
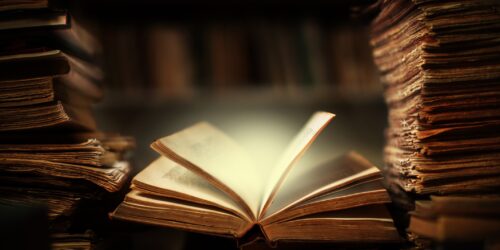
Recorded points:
440,64
51,153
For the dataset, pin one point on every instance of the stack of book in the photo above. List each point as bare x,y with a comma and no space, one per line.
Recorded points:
440,63
50,151
455,218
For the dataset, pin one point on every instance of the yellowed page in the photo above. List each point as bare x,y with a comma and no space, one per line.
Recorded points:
371,223
294,151
165,177
210,153
361,194
146,209
311,181
29,55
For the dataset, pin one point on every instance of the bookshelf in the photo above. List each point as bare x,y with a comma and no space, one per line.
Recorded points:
193,49
296,58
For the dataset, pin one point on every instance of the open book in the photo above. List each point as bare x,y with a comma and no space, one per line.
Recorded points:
205,182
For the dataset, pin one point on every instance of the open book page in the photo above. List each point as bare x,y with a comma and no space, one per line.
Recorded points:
367,187
320,179
355,195
371,223
294,151
167,178
144,208
210,153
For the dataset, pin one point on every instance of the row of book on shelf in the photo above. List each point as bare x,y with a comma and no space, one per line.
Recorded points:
181,58
440,62
51,152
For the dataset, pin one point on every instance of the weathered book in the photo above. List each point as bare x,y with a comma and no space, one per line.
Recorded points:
440,66
48,101
206,182
457,218
71,175
98,161
81,241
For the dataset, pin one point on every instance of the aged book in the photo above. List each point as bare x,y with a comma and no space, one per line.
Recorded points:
439,62
99,162
457,218
206,182
52,154
48,101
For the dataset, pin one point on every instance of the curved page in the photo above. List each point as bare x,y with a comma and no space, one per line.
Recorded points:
210,153
371,223
143,208
360,194
295,150
322,178
165,177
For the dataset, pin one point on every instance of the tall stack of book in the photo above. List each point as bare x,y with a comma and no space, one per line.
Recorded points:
440,63
50,151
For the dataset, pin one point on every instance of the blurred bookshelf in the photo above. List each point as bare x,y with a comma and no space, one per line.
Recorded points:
185,50
296,60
